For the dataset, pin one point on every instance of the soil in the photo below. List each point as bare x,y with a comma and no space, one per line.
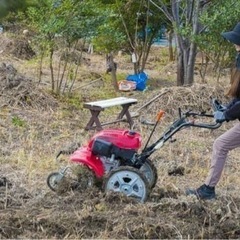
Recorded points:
35,125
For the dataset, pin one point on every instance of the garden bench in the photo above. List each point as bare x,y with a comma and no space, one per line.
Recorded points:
98,106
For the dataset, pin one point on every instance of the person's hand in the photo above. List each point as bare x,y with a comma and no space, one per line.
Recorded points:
219,107
219,116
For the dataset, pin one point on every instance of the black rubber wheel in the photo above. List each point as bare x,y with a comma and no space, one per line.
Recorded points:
150,172
129,181
53,181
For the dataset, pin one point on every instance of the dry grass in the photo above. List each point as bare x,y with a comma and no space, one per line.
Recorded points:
31,135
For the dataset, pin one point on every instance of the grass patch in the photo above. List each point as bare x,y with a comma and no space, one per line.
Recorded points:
18,122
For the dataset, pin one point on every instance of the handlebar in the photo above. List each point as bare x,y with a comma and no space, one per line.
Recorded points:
180,123
216,105
183,123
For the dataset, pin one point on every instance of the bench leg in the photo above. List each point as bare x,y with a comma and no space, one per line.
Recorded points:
94,119
126,112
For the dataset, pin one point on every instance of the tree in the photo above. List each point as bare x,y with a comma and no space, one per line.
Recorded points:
59,25
216,20
7,6
108,39
132,26
142,25
184,16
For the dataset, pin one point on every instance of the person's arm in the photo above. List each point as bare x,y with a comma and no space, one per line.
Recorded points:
233,110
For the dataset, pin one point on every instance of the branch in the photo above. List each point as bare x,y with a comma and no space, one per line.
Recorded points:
204,2
136,28
125,26
164,9
175,12
196,19
190,10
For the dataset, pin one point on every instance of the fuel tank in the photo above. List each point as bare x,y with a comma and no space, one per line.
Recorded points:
125,139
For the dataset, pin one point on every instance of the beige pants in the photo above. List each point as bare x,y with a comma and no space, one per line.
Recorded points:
222,145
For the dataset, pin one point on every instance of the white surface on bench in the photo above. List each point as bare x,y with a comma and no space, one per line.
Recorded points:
112,102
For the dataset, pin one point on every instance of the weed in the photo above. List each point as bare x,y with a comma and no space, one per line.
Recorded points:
18,122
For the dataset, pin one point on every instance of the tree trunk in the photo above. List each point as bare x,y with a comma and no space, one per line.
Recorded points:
51,69
190,65
41,66
204,65
112,67
170,46
135,61
195,11
180,61
180,70
144,58
136,68
184,14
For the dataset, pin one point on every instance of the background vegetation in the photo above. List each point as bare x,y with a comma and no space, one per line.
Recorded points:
129,26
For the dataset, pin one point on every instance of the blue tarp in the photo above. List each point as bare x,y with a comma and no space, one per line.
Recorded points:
140,79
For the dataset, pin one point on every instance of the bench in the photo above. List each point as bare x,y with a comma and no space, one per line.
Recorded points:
98,106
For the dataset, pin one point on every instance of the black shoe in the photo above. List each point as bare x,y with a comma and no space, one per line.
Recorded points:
203,192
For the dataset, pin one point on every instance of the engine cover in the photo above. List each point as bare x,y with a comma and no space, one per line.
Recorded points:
123,139
103,148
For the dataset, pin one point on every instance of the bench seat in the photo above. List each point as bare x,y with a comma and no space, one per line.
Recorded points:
97,106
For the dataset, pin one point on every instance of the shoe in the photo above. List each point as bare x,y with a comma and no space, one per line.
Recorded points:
203,192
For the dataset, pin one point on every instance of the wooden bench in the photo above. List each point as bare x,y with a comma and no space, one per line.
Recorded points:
98,106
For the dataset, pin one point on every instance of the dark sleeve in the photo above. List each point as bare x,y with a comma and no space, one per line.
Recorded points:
233,110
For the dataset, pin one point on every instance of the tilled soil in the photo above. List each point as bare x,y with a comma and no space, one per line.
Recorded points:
94,214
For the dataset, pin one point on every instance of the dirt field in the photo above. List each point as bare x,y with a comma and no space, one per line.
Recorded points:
35,125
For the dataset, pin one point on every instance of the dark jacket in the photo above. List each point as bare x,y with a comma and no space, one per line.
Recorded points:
232,111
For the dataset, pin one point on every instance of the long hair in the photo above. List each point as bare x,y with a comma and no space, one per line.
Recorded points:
234,90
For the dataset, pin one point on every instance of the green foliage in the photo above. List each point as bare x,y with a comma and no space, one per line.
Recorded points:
110,26
221,16
108,39
18,122
109,35
68,19
7,6
129,25
59,25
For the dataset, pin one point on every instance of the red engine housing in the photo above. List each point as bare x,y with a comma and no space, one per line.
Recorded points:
123,139
120,138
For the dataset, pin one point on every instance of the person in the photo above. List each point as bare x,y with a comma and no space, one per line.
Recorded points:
231,138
